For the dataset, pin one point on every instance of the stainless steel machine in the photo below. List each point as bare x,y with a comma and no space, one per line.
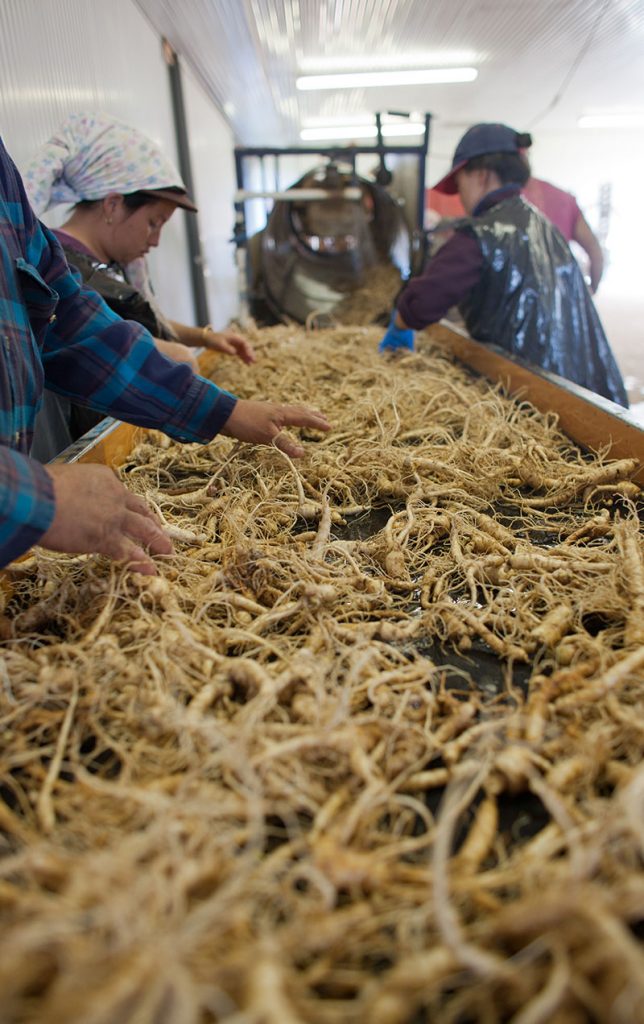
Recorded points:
328,232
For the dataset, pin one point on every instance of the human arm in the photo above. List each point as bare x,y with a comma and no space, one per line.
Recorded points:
398,336
88,515
262,423
446,280
207,408
27,501
191,402
85,509
584,235
77,509
94,358
177,351
89,354
95,514
80,508
228,342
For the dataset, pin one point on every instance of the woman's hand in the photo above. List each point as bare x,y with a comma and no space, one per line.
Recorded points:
262,423
96,514
229,343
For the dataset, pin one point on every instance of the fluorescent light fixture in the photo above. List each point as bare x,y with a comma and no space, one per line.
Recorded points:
362,119
363,131
342,120
404,128
617,119
348,131
369,79
354,118
391,61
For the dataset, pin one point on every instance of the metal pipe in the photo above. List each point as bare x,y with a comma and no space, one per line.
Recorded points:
240,238
345,153
293,194
422,170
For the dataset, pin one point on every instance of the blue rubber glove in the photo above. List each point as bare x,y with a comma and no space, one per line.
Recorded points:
396,337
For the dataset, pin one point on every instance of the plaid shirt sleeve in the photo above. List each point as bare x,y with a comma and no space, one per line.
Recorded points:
27,496
92,356
446,280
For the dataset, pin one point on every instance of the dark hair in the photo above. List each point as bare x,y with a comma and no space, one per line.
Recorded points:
511,168
132,201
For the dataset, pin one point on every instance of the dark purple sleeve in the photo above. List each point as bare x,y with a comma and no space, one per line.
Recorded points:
448,277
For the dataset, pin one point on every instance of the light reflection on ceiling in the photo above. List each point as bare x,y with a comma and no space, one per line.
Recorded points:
542,64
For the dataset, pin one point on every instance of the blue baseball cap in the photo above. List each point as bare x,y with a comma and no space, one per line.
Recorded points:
480,140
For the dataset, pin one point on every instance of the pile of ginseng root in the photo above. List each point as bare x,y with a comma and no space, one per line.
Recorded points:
372,301
368,749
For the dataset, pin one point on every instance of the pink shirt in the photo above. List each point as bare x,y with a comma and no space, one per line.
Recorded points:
558,206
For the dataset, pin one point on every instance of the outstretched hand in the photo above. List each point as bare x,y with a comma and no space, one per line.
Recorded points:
262,423
96,514
397,336
230,344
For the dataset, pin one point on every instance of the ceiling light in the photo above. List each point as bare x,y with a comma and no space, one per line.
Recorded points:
405,128
361,118
364,131
348,131
617,119
382,61
364,117
367,79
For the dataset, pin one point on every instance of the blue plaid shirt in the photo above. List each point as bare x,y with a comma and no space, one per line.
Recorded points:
54,331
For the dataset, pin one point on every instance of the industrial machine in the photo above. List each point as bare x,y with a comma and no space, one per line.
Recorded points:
329,232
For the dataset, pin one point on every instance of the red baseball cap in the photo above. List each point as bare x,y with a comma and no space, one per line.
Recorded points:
480,140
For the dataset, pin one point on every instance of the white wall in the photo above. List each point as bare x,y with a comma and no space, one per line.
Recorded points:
581,162
584,160
213,170
61,56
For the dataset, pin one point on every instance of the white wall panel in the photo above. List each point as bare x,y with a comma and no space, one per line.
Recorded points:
61,56
213,171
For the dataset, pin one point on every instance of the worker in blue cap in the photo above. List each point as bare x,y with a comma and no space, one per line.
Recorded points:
509,271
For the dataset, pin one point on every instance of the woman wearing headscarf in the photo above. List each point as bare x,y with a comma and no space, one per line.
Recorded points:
59,333
510,272
123,191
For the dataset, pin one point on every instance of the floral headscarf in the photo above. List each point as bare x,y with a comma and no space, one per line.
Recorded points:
91,155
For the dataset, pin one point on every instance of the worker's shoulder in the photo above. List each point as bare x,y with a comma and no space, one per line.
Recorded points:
537,188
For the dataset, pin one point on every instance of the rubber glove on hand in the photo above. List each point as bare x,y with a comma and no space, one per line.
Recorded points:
396,337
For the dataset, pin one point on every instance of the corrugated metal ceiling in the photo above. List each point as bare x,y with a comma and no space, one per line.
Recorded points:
542,63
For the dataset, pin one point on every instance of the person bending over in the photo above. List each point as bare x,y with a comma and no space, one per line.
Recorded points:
509,271
124,191
57,332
